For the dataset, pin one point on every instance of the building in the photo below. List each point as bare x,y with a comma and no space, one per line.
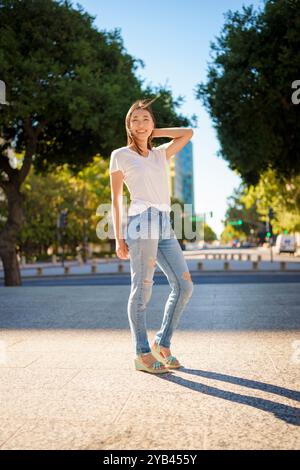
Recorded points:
181,176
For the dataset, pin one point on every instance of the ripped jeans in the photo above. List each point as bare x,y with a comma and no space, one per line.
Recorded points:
151,241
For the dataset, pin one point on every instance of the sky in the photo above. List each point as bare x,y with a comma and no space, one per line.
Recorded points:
173,39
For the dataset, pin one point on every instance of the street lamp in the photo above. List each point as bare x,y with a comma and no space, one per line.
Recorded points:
62,222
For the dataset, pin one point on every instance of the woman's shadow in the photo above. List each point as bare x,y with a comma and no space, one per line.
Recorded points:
289,414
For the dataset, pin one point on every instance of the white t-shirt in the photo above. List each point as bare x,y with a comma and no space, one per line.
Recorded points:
145,177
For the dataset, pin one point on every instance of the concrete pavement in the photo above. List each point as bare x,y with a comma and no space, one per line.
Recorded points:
68,380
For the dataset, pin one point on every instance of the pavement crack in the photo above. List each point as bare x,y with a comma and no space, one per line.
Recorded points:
70,379
12,435
123,407
275,368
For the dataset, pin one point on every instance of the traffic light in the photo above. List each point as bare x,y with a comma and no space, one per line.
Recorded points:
269,230
271,213
235,222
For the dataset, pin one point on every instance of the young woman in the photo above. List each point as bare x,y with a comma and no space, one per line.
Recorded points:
149,238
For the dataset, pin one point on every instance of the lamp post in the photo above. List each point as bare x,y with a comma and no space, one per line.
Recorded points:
62,222
270,230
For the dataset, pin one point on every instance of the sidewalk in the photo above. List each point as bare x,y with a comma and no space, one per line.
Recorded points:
68,380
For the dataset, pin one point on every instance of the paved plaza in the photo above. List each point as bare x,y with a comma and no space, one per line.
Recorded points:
68,379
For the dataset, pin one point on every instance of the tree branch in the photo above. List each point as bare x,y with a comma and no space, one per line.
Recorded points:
32,134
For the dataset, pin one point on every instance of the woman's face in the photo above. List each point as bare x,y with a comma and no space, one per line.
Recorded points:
141,124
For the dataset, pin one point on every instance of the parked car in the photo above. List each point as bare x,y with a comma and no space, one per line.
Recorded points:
244,244
285,244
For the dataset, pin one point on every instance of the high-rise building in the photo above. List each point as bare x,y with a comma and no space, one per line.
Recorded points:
181,180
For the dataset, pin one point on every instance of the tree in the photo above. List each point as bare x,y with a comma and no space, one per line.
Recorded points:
283,197
250,220
46,196
230,233
209,235
248,93
69,87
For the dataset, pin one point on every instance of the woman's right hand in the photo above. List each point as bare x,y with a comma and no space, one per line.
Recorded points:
122,249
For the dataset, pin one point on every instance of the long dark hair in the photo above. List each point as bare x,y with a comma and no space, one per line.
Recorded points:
139,104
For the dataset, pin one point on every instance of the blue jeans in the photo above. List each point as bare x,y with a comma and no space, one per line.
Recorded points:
151,240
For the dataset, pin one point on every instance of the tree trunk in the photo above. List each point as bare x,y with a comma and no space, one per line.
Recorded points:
9,234
11,267
11,187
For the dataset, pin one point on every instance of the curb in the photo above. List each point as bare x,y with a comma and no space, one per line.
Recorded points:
193,272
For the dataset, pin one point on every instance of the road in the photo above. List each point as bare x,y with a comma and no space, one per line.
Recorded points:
198,278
